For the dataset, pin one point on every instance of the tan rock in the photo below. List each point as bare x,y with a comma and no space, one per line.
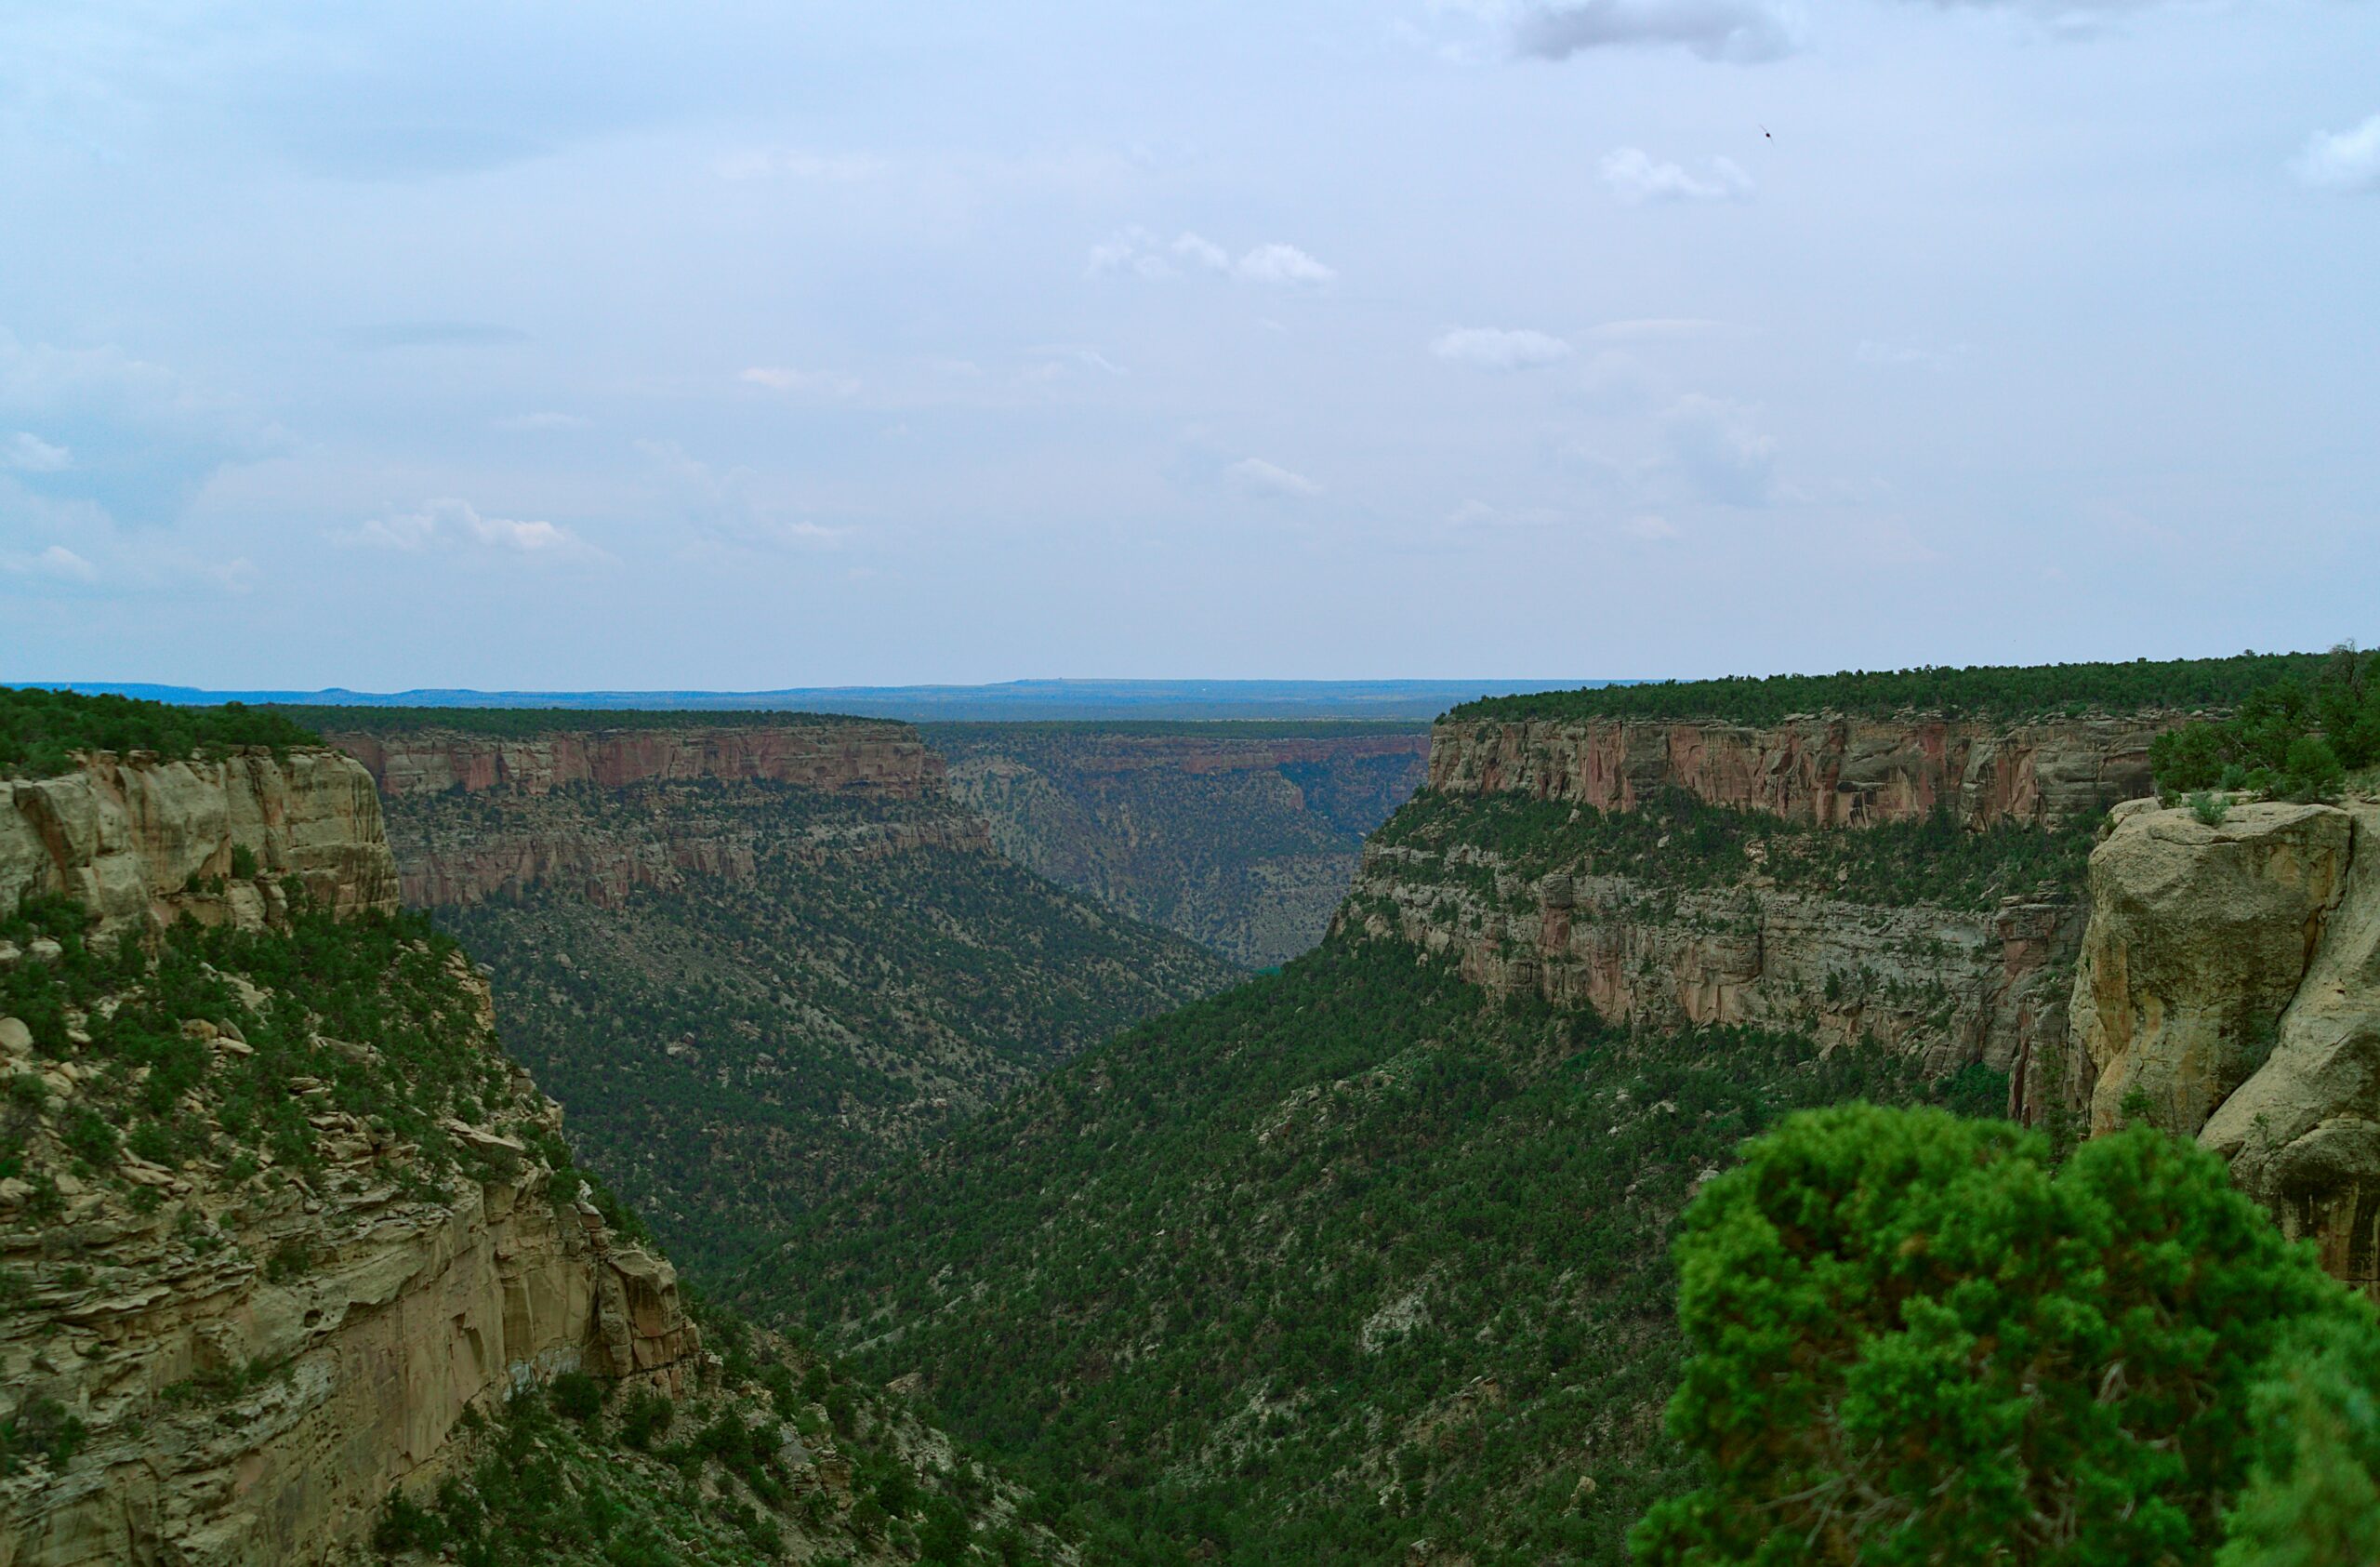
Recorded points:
16,1039
2198,938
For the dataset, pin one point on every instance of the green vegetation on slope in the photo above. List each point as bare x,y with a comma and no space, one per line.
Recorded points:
2005,692
583,1474
1915,1340
2296,737
1673,840
41,730
524,722
367,1017
1337,1261
731,1050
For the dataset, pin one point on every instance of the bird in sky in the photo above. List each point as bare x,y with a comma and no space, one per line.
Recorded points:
1765,133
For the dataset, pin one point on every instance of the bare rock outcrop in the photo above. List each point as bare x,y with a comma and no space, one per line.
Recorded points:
141,841
1827,769
2230,980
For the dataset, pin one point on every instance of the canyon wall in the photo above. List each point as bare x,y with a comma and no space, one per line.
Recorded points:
140,842
2230,989
255,1355
1243,842
865,756
474,817
1826,769
1646,941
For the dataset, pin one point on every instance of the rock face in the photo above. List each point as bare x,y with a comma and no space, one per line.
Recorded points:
258,1360
537,831
134,840
1948,986
1827,769
2231,974
884,759
1242,843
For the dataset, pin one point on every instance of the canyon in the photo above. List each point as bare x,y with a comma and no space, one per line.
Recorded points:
1242,837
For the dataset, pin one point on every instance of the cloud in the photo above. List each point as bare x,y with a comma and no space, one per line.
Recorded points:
2345,160
28,453
1739,32
1637,177
450,523
1491,349
807,383
57,562
1281,264
1135,250
1649,529
129,440
1259,479
1203,252
1708,443
545,420
431,333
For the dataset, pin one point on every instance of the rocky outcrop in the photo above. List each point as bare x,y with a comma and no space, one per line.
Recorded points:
2231,987
1827,769
1947,985
874,758
2200,935
253,1351
141,842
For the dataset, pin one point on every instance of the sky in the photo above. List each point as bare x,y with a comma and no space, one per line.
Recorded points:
572,345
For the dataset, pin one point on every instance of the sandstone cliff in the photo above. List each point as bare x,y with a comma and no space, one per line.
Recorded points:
875,758
140,842
1793,926
220,1346
1827,769
2230,987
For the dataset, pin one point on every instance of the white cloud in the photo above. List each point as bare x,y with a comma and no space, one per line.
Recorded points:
544,421
1650,528
1740,31
1135,250
807,383
2344,160
1637,177
1710,443
1492,348
448,522
723,510
1254,476
57,562
28,453
1202,252
1281,264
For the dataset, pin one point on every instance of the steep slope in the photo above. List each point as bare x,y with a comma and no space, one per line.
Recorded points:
1242,837
1368,1261
753,960
291,1254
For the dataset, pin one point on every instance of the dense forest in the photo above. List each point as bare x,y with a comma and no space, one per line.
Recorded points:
2299,738
41,730
1338,1260
2005,692
735,1048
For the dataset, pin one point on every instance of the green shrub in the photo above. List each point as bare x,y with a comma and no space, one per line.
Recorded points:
1910,1334
244,863
41,730
645,1417
578,1396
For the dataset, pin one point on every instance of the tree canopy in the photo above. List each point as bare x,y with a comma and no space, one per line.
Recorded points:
1914,1339
41,730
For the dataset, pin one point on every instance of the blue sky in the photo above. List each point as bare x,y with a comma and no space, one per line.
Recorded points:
577,345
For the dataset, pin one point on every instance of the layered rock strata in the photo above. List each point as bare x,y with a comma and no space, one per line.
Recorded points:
875,758
251,1357
1825,769
140,842
2230,987
1948,986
